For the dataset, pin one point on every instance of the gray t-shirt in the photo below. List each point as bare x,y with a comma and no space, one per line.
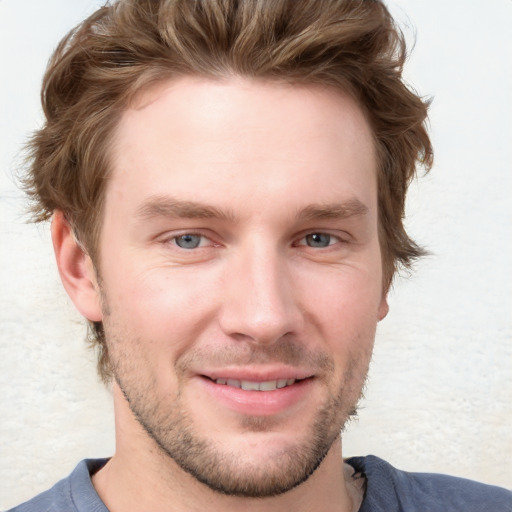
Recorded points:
387,490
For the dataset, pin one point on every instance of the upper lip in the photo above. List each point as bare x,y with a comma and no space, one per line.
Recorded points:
257,375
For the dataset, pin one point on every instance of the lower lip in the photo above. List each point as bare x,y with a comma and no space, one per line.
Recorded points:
258,403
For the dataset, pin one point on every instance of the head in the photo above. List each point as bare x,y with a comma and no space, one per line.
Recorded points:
130,53
128,46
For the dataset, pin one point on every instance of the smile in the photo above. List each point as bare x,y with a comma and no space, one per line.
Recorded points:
259,395
247,385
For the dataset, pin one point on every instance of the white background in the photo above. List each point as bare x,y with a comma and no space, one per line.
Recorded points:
440,389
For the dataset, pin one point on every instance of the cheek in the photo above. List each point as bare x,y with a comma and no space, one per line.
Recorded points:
343,308
161,306
346,295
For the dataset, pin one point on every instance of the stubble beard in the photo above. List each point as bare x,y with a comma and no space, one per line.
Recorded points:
172,429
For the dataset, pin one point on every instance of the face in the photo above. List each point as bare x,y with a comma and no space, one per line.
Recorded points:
240,273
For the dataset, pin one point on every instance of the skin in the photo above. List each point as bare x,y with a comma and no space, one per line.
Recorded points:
240,240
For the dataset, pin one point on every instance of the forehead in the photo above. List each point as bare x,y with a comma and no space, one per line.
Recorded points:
202,138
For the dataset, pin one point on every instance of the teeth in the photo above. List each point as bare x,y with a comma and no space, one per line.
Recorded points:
268,386
247,385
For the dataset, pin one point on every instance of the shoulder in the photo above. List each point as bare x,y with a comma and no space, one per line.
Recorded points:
391,490
74,493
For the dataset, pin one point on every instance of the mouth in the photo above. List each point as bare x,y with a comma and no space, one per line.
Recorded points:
248,385
263,396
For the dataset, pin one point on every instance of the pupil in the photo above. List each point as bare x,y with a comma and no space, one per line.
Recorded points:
318,240
188,241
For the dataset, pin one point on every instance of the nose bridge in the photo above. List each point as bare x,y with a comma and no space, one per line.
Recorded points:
259,302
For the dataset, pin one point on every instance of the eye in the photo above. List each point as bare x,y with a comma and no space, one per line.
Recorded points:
319,240
189,241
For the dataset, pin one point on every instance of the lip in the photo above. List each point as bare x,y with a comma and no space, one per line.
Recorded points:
260,375
257,403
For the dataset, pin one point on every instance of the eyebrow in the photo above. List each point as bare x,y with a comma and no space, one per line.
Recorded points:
159,206
163,206
335,211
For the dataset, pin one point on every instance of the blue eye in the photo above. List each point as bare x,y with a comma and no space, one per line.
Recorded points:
188,241
318,240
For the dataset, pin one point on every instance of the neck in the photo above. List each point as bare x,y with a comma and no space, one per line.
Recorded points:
141,477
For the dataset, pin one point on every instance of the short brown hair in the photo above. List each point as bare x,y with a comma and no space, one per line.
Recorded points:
127,45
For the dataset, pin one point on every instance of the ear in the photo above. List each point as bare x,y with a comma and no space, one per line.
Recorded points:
76,269
383,306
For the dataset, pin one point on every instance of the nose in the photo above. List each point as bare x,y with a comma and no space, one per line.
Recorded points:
260,300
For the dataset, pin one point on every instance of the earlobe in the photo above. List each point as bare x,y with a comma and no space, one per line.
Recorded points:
76,269
383,307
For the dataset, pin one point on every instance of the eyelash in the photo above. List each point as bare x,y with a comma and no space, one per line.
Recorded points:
332,238
303,241
202,238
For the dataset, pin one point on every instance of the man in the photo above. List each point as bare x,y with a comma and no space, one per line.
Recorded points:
226,182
